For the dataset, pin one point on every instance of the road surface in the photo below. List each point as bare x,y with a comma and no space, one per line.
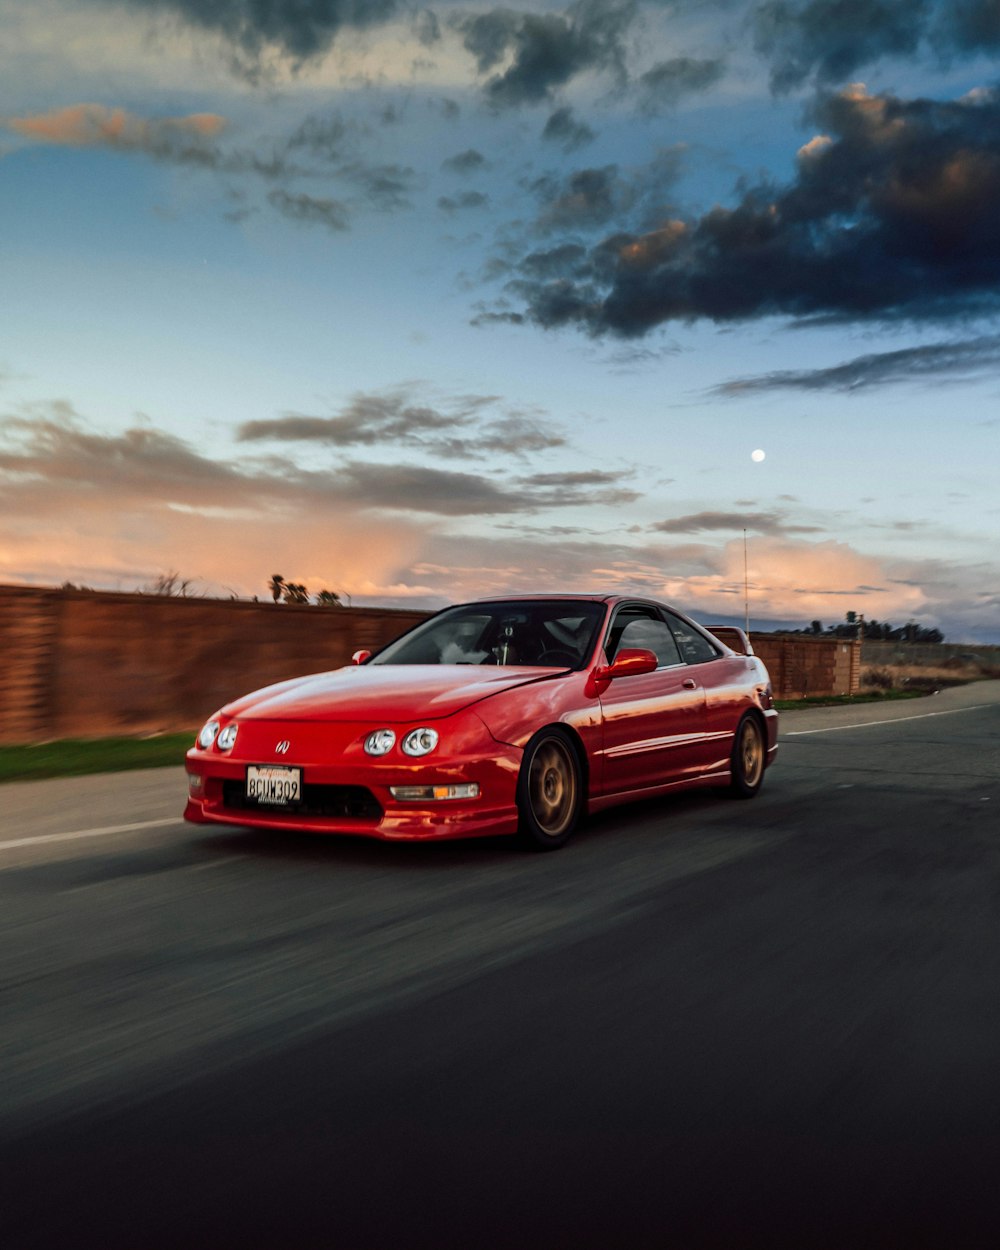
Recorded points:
702,1023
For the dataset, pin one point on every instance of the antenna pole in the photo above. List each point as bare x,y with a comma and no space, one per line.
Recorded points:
746,589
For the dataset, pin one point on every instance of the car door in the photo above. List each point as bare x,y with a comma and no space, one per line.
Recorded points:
653,723
722,679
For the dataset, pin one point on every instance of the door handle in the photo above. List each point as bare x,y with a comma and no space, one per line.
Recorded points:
689,684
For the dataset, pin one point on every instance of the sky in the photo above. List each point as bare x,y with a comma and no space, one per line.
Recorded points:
423,303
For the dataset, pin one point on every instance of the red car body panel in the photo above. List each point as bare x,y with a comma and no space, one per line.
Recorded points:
637,736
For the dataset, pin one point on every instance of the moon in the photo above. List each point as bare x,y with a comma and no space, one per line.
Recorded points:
757,456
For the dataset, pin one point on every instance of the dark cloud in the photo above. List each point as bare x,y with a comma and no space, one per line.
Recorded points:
464,200
324,138
892,214
367,420
663,86
586,477
970,26
386,187
828,41
427,27
468,162
416,488
299,31
831,39
950,362
308,208
773,523
563,128
463,430
586,199
546,50
56,453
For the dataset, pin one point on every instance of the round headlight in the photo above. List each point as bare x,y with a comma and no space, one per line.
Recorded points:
380,741
208,734
420,741
227,737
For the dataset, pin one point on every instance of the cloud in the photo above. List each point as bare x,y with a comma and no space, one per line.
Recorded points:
563,129
470,161
949,362
56,451
757,522
459,430
463,201
299,32
586,200
831,39
95,125
323,137
545,51
665,85
828,41
893,215
312,210
116,508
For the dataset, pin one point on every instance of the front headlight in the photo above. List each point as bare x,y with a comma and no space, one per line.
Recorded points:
208,734
420,741
227,737
380,741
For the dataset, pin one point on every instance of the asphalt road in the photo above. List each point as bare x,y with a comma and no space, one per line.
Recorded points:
702,1023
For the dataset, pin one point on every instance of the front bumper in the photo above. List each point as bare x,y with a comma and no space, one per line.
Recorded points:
345,791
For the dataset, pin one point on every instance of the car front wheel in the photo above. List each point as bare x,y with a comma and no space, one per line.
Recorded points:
549,790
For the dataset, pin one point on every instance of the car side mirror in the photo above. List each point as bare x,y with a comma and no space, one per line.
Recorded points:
359,657
629,662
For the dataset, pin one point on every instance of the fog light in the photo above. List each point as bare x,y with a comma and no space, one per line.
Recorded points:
195,783
432,794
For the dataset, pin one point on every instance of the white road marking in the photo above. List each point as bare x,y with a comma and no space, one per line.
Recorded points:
896,720
88,833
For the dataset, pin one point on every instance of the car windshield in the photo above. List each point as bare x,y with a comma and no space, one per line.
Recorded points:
546,633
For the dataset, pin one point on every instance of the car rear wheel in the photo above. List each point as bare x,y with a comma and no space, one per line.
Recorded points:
748,758
549,790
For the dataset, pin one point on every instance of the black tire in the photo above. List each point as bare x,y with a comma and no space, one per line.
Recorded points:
748,759
549,790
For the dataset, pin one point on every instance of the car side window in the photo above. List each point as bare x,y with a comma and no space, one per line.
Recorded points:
694,646
637,625
653,636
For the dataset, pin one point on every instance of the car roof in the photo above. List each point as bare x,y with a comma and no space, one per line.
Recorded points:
572,596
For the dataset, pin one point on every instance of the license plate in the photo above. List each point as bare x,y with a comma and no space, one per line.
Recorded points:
273,787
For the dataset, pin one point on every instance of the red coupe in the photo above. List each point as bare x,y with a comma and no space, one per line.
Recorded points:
577,702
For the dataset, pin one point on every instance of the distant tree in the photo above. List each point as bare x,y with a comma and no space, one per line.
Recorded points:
275,586
817,627
171,585
328,599
295,592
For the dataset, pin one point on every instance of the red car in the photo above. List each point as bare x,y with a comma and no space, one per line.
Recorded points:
577,702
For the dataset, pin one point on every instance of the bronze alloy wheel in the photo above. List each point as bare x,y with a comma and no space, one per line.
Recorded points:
748,758
550,789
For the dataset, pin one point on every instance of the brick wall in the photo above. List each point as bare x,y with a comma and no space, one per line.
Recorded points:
78,664
801,667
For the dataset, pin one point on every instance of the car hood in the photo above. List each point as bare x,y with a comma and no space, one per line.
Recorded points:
383,692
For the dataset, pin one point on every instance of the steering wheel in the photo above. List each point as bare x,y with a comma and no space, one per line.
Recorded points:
557,657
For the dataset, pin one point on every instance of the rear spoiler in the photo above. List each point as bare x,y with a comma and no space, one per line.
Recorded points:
733,637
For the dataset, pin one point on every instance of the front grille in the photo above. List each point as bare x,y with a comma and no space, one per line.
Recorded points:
333,802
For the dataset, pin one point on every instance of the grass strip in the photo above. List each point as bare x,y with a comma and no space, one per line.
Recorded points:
73,757
836,700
